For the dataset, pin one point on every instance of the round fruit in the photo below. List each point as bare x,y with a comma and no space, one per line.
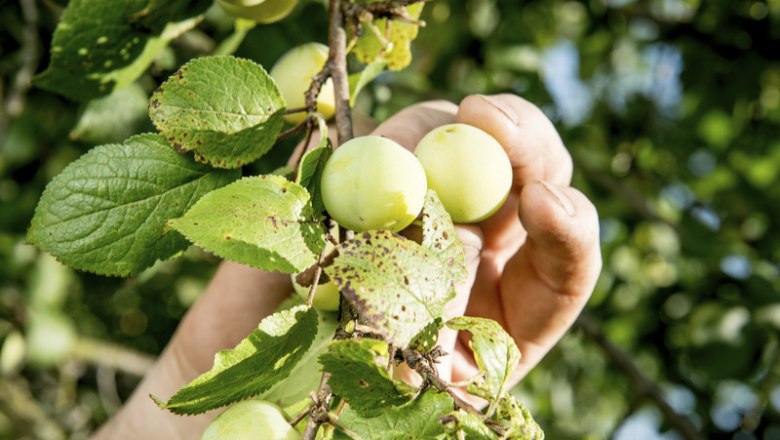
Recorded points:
249,420
293,74
372,182
325,298
468,169
263,11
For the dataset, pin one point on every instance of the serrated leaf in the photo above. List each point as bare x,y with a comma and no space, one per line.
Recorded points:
516,420
225,109
470,425
358,80
103,45
106,212
424,341
396,284
360,380
265,357
417,420
494,351
439,236
305,377
395,51
265,222
112,118
310,174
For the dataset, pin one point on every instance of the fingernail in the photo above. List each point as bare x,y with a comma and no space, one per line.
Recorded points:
561,198
503,107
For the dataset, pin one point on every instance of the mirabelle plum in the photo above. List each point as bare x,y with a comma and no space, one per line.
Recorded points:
325,298
468,169
249,420
293,74
261,11
372,182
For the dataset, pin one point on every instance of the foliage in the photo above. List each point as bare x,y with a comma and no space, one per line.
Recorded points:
670,109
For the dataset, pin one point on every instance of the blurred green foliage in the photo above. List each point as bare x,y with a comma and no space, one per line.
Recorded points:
671,110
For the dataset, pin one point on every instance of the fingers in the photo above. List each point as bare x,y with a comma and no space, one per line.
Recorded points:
545,285
533,145
408,126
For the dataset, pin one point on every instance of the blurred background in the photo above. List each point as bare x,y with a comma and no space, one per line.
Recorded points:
670,108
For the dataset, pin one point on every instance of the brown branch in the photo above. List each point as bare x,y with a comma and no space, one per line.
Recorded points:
641,384
429,374
337,38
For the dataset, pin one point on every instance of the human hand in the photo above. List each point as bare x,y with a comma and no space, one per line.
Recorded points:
532,266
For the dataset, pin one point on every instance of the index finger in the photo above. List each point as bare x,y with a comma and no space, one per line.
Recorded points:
534,147
408,126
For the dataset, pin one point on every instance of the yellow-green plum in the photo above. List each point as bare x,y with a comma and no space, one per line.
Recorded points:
325,298
372,182
262,11
250,420
293,74
468,169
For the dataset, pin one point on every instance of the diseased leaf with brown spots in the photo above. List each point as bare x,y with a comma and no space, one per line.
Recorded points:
359,379
265,222
396,284
494,350
225,109
439,236
398,36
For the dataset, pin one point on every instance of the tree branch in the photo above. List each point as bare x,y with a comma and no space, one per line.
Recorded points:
337,39
642,385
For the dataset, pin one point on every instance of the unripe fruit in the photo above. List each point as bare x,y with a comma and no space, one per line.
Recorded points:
293,74
250,420
262,11
371,182
325,298
468,169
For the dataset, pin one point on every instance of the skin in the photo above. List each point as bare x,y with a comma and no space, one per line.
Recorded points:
532,266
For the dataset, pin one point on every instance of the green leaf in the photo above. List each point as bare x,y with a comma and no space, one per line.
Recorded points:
360,380
516,420
395,51
358,80
103,45
396,284
310,174
106,212
265,222
305,377
494,350
225,109
264,358
113,118
417,420
472,426
439,236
